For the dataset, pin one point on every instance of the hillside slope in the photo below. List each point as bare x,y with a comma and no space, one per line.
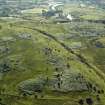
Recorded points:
48,63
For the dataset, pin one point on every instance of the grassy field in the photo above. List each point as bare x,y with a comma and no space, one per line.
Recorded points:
28,60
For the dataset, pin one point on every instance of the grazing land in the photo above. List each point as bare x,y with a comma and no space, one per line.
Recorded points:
53,60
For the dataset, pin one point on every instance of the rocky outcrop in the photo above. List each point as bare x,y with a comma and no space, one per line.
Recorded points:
31,86
68,81
61,82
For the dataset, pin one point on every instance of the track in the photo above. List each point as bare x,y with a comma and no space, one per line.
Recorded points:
81,58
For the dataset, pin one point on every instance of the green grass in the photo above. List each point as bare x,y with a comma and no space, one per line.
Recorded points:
33,61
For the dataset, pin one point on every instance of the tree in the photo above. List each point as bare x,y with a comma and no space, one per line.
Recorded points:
24,94
98,98
0,99
102,91
89,101
35,96
94,88
81,101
